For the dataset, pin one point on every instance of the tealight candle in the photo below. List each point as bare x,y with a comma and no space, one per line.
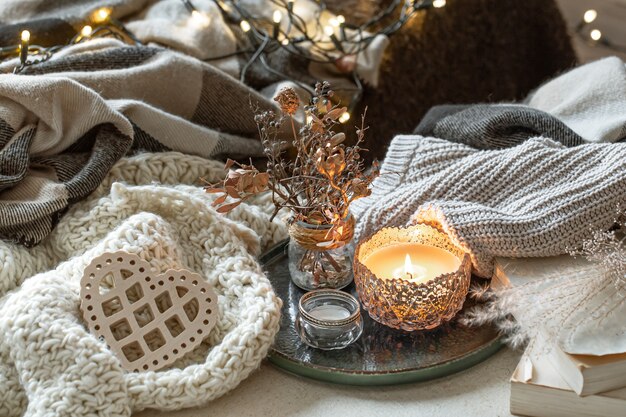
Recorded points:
411,278
329,312
329,319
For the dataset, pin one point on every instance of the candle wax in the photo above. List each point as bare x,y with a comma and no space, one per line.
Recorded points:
427,262
329,312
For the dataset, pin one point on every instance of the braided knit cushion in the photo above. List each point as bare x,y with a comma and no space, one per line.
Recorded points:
49,362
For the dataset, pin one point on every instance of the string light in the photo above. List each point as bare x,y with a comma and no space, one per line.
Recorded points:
590,15
200,19
277,16
101,15
245,26
595,35
344,117
25,38
264,35
86,31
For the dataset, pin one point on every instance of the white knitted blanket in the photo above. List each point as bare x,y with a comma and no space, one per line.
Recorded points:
539,198
50,365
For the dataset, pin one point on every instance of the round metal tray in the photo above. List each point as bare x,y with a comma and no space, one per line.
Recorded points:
382,356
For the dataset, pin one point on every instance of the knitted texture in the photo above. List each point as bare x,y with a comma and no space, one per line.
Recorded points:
50,365
494,126
536,199
498,193
65,121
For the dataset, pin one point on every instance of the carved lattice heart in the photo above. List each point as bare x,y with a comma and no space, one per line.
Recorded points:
149,320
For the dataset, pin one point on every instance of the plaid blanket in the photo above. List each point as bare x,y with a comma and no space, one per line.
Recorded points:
65,122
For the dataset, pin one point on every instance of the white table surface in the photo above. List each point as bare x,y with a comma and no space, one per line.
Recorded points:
481,391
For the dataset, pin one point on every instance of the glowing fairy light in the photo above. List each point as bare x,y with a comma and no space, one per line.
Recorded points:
101,15
86,31
200,19
595,35
277,16
245,26
590,15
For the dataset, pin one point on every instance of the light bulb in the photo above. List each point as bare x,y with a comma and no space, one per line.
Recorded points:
285,42
200,19
341,19
595,35
590,15
328,30
102,14
439,3
86,31
245,26
25,36
344,117
277,16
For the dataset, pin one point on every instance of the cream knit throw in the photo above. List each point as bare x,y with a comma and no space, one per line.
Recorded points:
538,198
50,365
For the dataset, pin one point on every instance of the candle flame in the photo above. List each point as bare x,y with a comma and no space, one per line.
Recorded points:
408,266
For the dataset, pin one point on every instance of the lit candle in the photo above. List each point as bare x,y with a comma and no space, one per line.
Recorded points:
411,278
413,262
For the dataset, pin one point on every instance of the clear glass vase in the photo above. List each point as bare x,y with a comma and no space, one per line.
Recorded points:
313,267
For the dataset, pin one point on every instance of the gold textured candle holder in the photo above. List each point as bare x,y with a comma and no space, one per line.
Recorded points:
406,305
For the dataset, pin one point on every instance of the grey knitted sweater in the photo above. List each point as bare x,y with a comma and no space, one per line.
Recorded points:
537,197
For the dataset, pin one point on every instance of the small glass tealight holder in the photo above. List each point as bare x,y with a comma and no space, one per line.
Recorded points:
329,319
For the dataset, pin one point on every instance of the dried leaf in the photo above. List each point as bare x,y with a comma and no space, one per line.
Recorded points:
245,184
337,139
260,182
335,113
219,200
325,244
225,208
232,191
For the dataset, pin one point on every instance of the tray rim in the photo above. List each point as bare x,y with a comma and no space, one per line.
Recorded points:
391,377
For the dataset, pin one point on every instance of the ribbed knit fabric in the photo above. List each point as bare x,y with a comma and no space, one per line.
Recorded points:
536,199
494,126
499,193
587,104
51,365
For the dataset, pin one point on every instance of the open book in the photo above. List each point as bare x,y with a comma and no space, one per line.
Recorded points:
538,390
585,374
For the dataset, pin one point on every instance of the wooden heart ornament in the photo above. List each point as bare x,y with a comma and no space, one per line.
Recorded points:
149,320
